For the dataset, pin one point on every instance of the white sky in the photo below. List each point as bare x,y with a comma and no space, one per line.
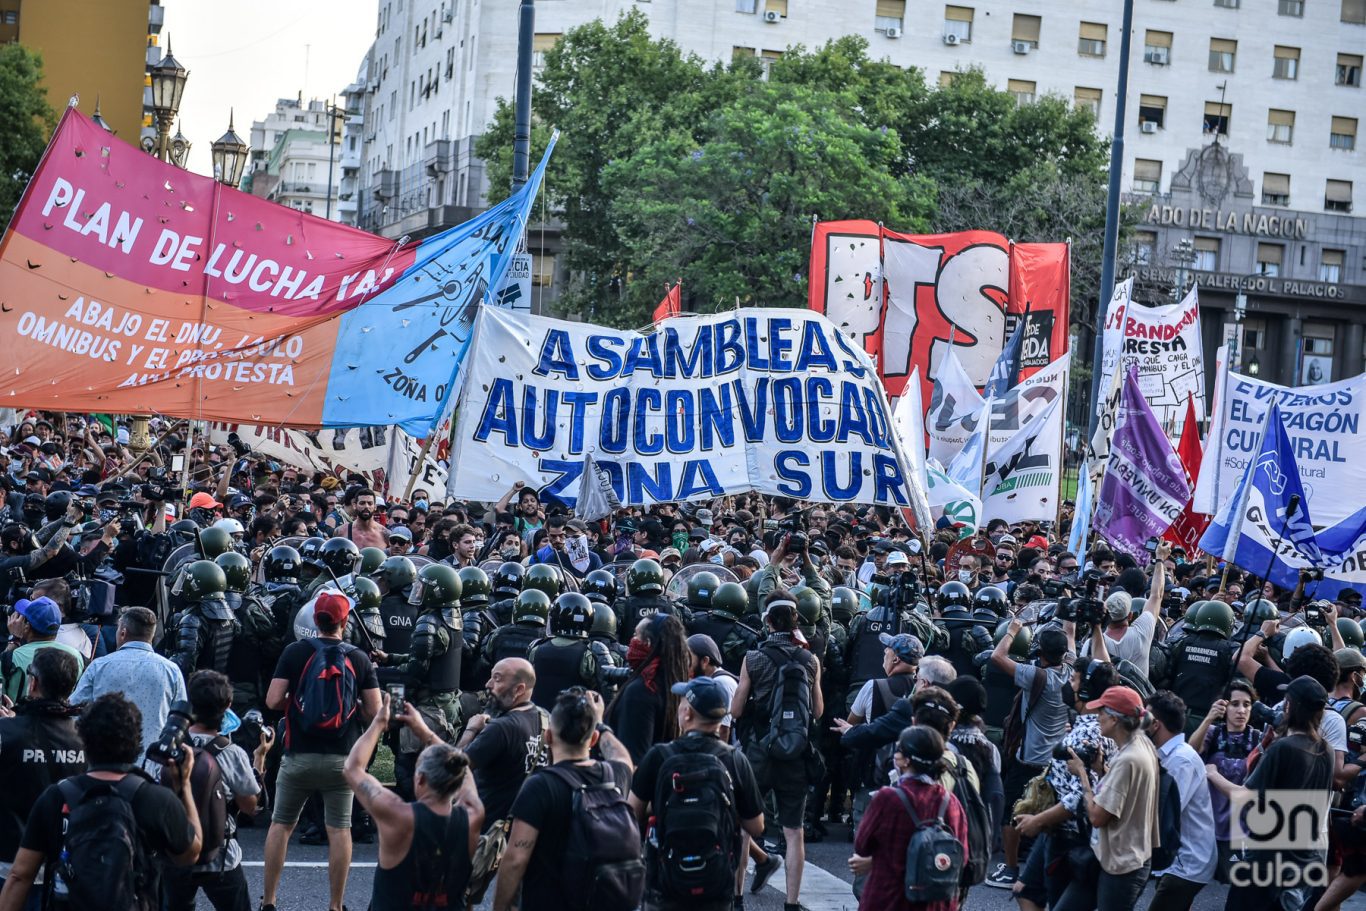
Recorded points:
245,54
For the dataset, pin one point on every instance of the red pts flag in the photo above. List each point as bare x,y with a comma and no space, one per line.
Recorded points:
1187,529
671,305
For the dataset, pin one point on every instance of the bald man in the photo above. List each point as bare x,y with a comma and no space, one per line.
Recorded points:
505,749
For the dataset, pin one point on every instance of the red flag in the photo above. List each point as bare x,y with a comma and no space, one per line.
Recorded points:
671,305
1187,529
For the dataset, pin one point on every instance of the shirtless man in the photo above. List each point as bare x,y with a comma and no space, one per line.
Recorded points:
364,530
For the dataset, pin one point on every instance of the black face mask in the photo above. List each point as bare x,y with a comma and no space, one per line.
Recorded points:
33,517
365,515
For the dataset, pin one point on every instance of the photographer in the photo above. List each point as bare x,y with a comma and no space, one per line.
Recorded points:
220,876
166,820
22,555
793,555
1129,637
38,745
1225,739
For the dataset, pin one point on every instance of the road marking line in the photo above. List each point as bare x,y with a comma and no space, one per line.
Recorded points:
320,864
821,890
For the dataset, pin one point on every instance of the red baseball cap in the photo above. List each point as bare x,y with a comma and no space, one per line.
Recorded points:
204,501
332,605
1119,699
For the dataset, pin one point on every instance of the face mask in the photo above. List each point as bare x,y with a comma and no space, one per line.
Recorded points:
717,559
365,515
966,576
420,504
680,540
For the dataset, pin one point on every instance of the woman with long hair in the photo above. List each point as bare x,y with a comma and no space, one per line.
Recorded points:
1225,739
1298,759
645,711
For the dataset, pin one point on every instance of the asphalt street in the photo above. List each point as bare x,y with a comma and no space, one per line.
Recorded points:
304,886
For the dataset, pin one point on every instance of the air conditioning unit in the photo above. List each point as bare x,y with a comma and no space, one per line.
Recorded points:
1020,47
448,16
951,40
893,32
1148,126
1156,56
772,16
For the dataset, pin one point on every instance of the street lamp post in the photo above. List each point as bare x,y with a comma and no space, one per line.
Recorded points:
229,156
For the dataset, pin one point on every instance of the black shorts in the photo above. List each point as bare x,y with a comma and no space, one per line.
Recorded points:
787,781
1014,781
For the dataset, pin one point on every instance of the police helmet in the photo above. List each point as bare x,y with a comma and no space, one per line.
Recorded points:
600,587
507,579
645,577
236,570
543,577
954,595
282,565
730,601
474,587
572,616
701,588
532,606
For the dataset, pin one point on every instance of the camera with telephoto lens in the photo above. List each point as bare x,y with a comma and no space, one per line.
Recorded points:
609,675
1086,752
1314,615
1264,716
1055,588
169,747
1356,737
253,723
1087,609
1172,604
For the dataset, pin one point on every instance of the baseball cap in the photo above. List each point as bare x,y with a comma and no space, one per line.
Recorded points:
905,646
669,553
704,646
332,605
399,531
1122,701
1306,691
238,500
897,558
704,517
41,613
1349,659
705,695
203,500
1007,539
1118,605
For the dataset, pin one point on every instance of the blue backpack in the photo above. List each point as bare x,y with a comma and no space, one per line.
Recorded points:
934,855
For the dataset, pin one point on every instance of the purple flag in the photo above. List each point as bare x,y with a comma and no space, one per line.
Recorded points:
1145,487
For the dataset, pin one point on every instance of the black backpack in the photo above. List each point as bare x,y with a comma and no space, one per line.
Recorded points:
326,695
789,710
934,856
1168,821
210,797
602,868
104,862
979,822
697,828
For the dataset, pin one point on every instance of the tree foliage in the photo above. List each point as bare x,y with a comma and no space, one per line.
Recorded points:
28,121
670,168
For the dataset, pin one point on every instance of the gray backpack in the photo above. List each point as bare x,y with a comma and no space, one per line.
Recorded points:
934,855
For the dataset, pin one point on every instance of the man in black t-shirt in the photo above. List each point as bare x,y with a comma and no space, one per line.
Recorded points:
534,860
111,733
504,750
314,764
700,713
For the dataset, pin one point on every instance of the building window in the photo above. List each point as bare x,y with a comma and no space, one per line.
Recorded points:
1330,265
1088,99
1287,63
958,24
1217,115
1026,29
10,17
1254,335
542,270
1157,48
1022,90
747,6
1343,134
1275,189
889,14
1280,126
1354,11
1337,196
946,78
776,6
1152,109
1223,52
1269,258
1290,7
766,58
1349,70
741,53
540,44
1144,244
1206,254
1091,40
1316,362
1147,176
1228,4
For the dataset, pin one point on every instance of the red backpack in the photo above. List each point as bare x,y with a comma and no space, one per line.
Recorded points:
326,695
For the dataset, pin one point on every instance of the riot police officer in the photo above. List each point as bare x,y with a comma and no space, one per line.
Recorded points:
728,603
475,589
237,573
395,577
371,558
999,685
600,588
546,578
507,585
809,619
309,569
1203,662
336,560
644,597
365,624
265,611
529,615
431,668
204,630
568,657
966,634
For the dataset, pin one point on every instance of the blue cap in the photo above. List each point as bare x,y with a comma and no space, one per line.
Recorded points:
41,613
86,491
705,695
905,646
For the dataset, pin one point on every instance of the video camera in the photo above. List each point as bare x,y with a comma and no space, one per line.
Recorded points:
1055,588
1356,737
169,747
1086,610
1314,615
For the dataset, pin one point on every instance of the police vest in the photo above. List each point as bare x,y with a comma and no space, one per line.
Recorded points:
1201,666
636,608
512,642
443,672
399,619
866,649
558,663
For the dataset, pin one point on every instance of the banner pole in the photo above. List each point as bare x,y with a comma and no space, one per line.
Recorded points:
421,460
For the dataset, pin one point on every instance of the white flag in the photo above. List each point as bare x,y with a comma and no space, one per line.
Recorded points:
909,425
954,408
596,496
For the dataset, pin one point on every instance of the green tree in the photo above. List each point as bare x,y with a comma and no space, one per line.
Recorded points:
727,208
28,120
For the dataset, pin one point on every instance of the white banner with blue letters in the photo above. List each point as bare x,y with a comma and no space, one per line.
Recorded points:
770,400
